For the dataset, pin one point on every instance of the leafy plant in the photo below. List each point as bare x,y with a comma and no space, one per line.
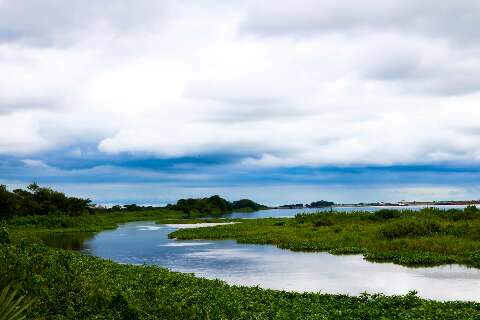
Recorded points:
13,307
70,285
4,236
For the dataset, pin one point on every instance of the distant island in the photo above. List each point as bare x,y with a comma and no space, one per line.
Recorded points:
316,204
215,205
320,204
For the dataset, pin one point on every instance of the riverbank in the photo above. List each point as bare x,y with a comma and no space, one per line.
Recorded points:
69,285
30,226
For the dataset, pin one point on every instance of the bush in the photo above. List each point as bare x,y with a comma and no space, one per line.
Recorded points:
385,214
469,213
4,236
323,222
409,228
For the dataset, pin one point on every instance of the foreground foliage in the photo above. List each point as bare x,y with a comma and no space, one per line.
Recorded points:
69,285
12,306
427,237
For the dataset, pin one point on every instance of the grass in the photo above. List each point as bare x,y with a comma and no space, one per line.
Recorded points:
415,238
36,226
68,285
71,231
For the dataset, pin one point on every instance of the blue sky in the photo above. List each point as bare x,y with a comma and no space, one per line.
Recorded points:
148,102
150,180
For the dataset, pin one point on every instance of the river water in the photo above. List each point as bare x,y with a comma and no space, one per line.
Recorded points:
271,267
284,213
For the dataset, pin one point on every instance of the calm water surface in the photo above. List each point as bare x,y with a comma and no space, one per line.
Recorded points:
270,267
283,213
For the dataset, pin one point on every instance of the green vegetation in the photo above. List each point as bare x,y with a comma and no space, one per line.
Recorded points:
246,205
46,227
68,285
291,206
214,205
427,237
39,201
320,204
12,306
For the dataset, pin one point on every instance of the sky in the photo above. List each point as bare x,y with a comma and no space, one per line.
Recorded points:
278,101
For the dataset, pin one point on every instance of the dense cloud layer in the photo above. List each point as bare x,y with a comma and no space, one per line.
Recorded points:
449,20
273,83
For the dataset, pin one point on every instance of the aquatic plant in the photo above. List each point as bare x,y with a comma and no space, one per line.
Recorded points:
74,286
427,237
69,285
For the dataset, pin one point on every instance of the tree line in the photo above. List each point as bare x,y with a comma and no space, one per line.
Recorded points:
214,205
36,200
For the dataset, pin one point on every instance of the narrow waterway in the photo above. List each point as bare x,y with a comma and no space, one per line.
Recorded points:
270,267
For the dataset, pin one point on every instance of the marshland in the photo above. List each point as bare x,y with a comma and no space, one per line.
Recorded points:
167,263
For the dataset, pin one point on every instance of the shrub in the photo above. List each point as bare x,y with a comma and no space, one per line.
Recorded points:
409,228
385,214
323,222
469,213
4,236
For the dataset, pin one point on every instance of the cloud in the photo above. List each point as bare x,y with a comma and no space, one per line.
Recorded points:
130,181
55,22
270,84
457,21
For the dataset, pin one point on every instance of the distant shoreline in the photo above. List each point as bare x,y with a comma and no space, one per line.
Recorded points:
380,204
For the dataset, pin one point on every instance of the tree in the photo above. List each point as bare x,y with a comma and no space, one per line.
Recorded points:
36,200
7,202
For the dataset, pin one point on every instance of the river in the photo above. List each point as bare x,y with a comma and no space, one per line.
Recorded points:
286,213
270,267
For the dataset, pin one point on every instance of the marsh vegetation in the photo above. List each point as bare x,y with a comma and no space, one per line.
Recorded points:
69,285
427,237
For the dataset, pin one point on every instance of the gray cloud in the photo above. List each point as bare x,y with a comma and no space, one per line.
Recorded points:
415,73
47,23
456,20
425,47
394,65
176,78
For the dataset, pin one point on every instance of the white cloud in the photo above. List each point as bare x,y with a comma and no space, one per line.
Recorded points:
318,82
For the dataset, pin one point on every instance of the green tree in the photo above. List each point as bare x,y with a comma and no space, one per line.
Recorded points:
7,202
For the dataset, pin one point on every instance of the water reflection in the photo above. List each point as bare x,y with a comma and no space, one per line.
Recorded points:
70,241
270,267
